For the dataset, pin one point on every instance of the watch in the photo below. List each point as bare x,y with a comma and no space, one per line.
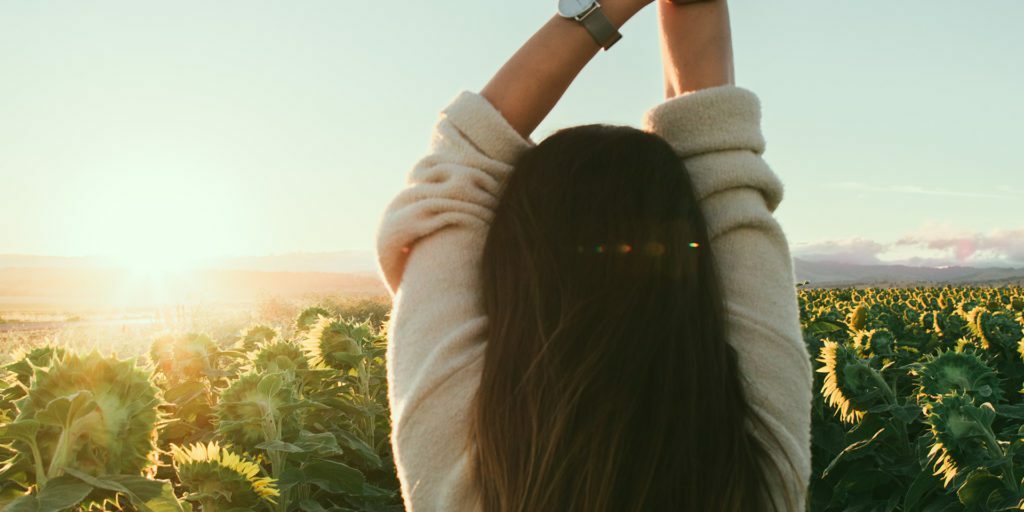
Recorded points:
593,18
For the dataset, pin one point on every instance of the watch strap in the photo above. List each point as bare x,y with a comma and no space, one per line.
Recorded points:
601,28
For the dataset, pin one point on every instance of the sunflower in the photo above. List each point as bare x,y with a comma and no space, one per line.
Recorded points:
963,344
952,326
220,479
256,335
24,361
1000,328
110,410
951,371
333,343
850,386
874,342
184,357
858,318
959,430
106,406
280,355
15,383
309,316
257,408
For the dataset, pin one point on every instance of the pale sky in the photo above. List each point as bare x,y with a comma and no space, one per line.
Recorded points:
230,128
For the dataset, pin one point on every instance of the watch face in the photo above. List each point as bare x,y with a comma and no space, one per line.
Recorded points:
573,8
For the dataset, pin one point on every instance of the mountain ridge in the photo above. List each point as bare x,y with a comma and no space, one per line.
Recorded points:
357,262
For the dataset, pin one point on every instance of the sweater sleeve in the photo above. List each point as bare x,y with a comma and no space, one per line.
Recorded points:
716,132
429,247
456,185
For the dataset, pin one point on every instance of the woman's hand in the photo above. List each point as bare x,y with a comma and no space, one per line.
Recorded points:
696,46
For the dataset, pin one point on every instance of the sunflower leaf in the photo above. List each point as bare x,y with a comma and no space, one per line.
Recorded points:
853,451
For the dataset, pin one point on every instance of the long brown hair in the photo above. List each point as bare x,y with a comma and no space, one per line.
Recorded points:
608,384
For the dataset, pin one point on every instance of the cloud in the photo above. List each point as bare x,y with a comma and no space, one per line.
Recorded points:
934,245
1001,192
1003,245
860,251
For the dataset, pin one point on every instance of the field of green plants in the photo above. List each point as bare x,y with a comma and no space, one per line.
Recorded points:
918,408
920,404
276,418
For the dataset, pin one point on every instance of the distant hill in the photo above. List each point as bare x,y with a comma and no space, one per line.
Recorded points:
824,273
348,262
98,288
57,280
33,261
352,262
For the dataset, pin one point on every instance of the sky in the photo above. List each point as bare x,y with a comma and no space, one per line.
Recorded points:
232,128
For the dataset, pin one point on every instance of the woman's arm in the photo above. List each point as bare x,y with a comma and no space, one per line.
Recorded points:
529,85
429,247
696,46
715,129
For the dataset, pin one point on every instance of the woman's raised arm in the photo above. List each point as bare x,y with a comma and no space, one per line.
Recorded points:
696,46
715,127
529,85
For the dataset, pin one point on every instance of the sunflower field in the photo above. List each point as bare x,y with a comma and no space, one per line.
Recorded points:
918,408
288,418
920,405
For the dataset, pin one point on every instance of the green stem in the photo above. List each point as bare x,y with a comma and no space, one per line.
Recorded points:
887,393
901,431
993,446
277,461
209,505
272,432
890,398
59,454
41,477
303,492
364,378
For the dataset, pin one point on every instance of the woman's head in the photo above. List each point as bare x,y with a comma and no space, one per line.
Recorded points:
608,384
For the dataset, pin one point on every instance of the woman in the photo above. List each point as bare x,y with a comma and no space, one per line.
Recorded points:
607,320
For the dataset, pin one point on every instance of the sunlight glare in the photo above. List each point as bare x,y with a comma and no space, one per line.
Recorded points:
154,263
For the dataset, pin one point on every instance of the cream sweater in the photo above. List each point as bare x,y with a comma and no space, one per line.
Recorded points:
429,247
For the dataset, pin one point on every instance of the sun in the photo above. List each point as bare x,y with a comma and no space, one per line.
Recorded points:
152,278
153,264
156,264
163,221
